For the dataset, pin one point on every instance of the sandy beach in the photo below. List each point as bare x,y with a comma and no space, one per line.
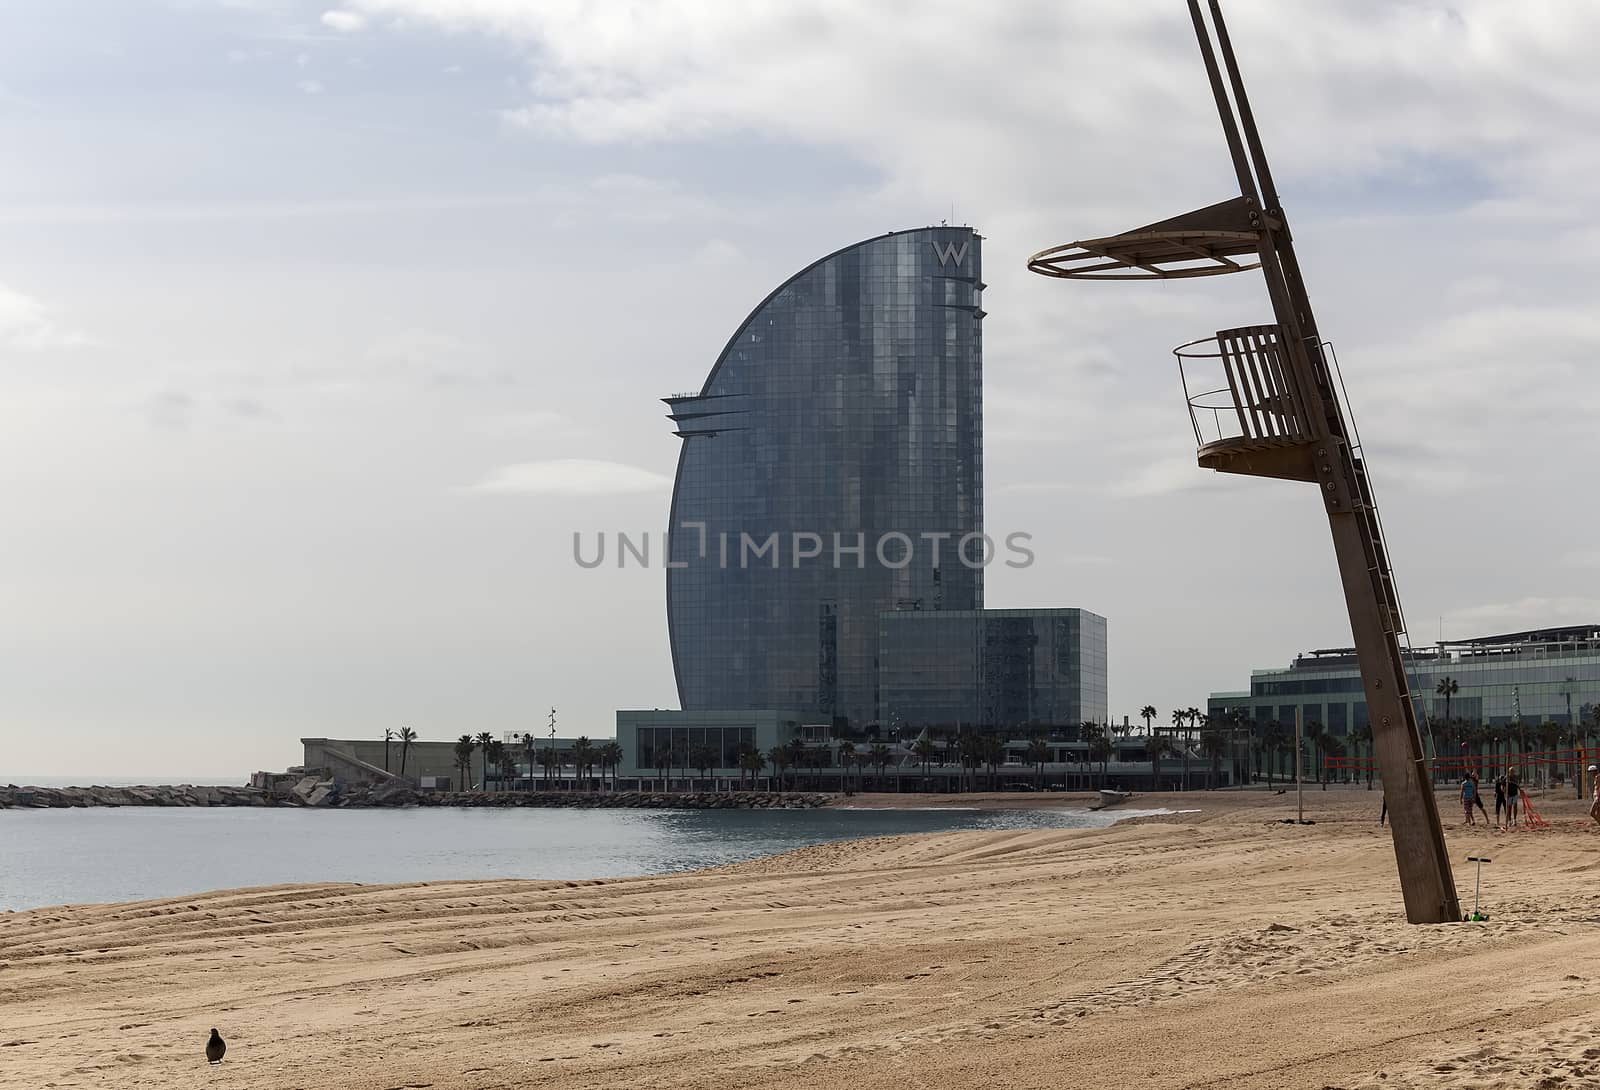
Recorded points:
1220,948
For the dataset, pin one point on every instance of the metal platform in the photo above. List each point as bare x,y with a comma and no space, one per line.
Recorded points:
1199,243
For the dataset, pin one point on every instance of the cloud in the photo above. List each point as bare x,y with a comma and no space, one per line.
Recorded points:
344,22
535,424
169,410
310,86
572,477
27,323
245,408
945,113
717,252
1170,475
1519,615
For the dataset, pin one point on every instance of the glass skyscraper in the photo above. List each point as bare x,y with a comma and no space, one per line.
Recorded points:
831,470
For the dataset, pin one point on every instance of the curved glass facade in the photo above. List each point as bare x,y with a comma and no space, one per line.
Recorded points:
831,470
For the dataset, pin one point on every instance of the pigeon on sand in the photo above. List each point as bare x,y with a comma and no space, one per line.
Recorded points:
215,1047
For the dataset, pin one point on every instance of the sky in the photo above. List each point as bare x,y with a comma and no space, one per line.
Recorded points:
323,328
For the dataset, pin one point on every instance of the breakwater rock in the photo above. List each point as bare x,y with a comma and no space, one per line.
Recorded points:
319,794
40,798
395,795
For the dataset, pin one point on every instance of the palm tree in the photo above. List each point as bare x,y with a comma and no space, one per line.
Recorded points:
847,753
752,761
1100,749
1148,713
493,756
1156,747
530,753
1315,733
483,740
703,758
680,749
991,751
1237,721
1211,744
1447,688
1038,754
1180,716
407,736
508,766
1090,732
549,759
1271,745
880,758
969,748
610,757
923,749
582,759
1364,737
663,762
388,736
798,756
778,758
463,751
1334,746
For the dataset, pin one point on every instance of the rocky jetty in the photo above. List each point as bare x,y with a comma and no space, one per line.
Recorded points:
40,798
318,793
389,795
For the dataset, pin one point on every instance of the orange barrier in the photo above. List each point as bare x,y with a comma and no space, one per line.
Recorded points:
1531,818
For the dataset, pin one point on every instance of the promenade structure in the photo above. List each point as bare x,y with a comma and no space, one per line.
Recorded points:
831,470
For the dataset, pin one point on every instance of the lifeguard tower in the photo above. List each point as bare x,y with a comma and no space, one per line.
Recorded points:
1268,401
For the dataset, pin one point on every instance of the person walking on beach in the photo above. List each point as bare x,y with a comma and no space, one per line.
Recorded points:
1499,798
1513,791
1469,793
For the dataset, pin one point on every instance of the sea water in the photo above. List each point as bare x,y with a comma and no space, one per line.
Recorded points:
71,856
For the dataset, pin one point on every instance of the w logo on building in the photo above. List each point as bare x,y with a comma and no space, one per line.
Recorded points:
952,252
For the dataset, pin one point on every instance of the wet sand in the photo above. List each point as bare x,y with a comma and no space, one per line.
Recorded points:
1215,949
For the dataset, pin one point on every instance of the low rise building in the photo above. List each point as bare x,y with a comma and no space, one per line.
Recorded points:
1500,688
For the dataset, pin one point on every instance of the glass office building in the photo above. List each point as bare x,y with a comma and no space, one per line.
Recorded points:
994,669
831,469
1540,676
